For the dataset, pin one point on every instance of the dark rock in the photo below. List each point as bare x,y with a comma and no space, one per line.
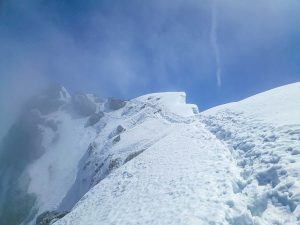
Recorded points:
117,139
120,129
133,155
115,104
94,118
115,163
49,217
117,131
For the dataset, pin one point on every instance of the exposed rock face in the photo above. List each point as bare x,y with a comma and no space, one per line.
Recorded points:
133,155
94,118
115,104
48,218
120,129
82,105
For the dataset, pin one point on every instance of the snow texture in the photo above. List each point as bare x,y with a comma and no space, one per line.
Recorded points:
236,164
156,160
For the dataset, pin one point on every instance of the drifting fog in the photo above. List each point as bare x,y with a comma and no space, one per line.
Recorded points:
128,48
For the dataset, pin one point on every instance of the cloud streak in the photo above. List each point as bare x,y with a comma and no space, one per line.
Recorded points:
214,42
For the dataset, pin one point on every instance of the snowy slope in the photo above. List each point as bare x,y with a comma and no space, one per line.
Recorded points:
264,133
234,164
185,177
124,134
75,141
279,106
153,160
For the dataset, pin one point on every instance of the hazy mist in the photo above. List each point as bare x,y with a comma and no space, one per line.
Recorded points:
129,48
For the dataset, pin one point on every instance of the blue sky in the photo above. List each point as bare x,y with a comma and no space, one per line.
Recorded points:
127,48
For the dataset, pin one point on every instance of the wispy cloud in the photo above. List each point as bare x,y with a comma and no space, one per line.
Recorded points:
131,48
214,41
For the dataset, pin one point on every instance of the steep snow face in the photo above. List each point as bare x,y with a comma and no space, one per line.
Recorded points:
264,134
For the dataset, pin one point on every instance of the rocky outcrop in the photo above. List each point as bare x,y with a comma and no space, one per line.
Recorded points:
120,129
49,217
114,104
93,119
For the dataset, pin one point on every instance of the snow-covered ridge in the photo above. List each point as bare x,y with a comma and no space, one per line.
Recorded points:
245,173
153,160
82,139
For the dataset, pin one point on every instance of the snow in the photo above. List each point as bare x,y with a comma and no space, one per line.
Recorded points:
170,183
174,102
157,160
263,131
142,123
279,106
235,164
